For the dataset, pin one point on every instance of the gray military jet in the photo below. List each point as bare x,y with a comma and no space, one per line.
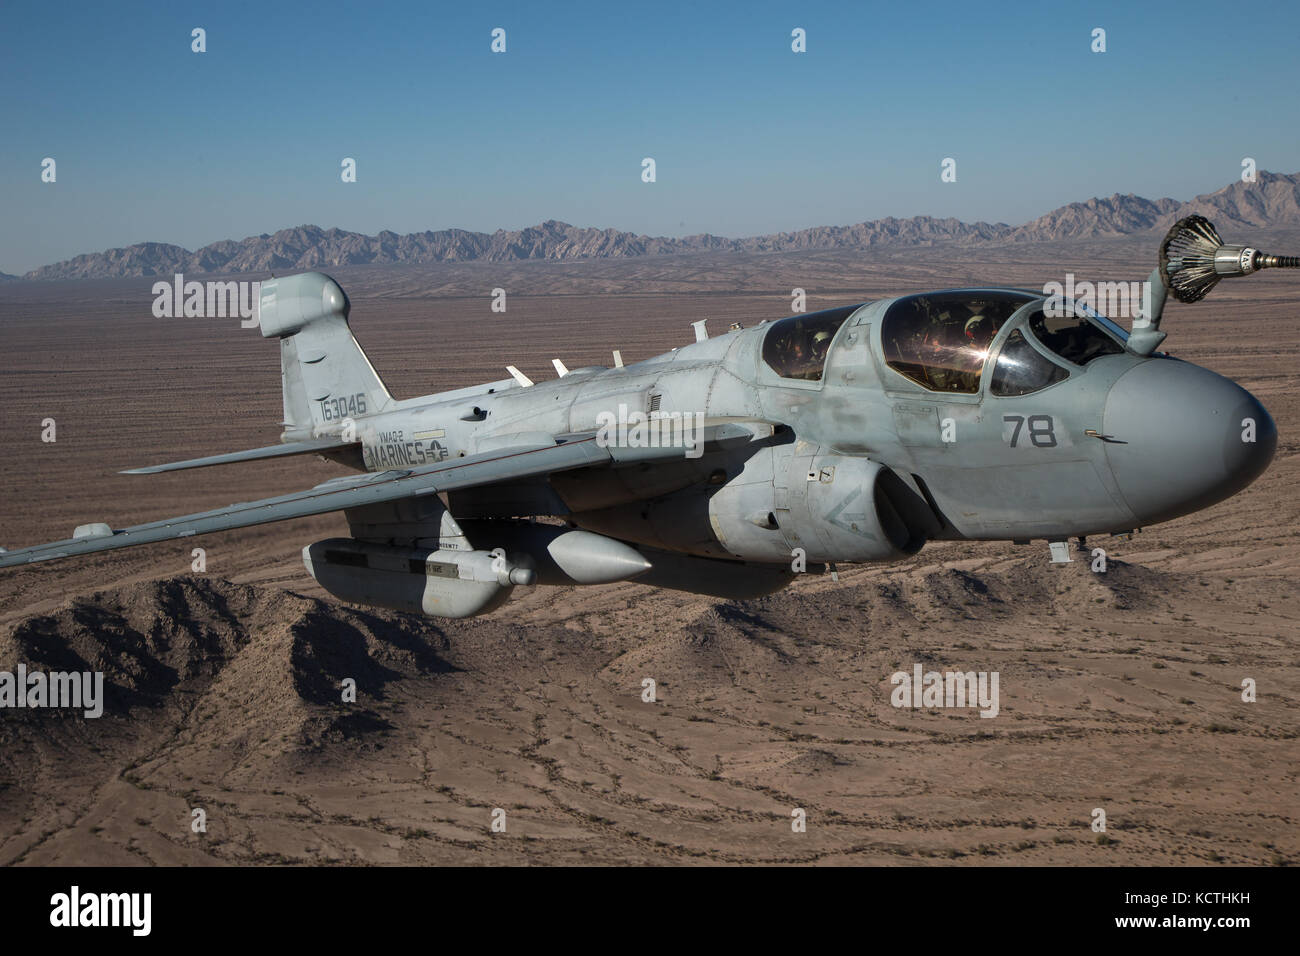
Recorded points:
725,467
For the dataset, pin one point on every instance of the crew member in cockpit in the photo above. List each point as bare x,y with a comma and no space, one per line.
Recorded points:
820,343
979,331
796,356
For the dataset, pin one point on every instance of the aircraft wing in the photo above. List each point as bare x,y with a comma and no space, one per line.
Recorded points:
509,464
316,445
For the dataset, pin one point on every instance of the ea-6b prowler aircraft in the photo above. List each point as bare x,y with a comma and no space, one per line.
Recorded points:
724,467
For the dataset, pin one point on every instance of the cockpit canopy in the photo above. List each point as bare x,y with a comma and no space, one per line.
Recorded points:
940,340
796,347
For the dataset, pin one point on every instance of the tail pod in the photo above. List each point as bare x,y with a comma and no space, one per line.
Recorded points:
326,377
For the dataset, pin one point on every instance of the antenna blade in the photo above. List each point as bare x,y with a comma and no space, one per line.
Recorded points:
519,376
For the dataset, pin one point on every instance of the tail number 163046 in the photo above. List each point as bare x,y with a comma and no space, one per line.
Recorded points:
332,409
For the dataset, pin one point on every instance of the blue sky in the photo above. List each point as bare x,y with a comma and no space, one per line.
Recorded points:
155,142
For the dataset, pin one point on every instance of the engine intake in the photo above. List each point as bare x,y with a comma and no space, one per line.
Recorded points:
832,507
856,510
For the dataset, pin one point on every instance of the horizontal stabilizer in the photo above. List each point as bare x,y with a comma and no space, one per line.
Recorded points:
253,454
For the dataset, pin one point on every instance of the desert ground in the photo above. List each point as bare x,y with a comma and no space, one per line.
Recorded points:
1120,691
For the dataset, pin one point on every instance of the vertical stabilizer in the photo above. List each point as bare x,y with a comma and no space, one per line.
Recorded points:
327,379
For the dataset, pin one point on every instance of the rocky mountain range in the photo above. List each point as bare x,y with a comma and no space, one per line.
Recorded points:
1273,200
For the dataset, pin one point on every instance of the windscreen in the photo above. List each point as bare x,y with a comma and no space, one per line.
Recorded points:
940,340
1021,368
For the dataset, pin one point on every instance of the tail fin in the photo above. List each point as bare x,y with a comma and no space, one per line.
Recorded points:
327,378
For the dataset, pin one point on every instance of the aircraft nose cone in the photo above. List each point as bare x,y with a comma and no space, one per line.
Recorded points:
1190,438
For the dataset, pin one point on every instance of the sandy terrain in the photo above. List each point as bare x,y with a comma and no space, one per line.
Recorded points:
1119,691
